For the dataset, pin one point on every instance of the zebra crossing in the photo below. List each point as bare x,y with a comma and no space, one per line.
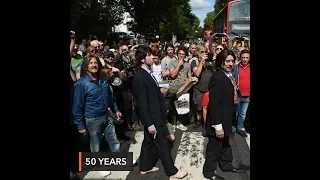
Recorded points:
188,153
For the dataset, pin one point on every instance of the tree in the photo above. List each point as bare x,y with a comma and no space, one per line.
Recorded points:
94,17
208,21
163,17
219,4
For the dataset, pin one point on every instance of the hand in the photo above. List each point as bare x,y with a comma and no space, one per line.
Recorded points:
72,34
118,115
180,62
115,69
220,133
152,130
203,58
83,131
194,80
163,91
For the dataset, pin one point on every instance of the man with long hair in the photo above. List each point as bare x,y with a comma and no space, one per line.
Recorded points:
90,107
220,116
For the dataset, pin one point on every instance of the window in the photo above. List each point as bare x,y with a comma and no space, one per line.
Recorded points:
240,11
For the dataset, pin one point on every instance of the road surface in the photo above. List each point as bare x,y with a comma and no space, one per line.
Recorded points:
188,152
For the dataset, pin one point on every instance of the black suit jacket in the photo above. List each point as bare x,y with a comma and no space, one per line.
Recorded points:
221,103
149,101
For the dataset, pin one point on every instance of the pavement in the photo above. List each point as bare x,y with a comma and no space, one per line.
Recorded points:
188,152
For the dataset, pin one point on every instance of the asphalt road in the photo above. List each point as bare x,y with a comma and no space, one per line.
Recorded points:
188,151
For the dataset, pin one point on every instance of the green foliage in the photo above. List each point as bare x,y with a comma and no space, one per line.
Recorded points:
208,21
151,17
94,17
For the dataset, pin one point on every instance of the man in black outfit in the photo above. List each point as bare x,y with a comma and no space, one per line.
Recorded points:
152,112
220,117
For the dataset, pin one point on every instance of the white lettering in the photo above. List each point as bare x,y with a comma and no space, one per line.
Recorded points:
91,161
112,161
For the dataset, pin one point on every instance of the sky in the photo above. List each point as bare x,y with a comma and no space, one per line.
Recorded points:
201,7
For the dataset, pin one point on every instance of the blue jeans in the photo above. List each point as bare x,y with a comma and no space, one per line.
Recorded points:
96,126
241,110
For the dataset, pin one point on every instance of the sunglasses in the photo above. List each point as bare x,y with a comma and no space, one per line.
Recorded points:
93,50
219,49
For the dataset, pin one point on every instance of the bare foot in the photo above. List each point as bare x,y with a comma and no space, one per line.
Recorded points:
151,170
180,175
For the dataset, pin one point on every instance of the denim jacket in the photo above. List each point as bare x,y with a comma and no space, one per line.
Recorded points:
90,100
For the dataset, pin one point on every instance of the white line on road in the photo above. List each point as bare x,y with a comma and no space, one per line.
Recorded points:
190,155
248,140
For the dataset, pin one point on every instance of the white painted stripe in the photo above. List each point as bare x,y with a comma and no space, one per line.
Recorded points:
121,175
248,140
190,155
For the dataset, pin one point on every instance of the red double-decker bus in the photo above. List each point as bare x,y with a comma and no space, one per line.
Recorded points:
234,18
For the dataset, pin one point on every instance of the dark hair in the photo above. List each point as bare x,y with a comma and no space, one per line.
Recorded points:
169,45
182,48
221,58
142,52
244,51
85,63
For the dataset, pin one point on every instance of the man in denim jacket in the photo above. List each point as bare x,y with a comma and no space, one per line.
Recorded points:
90,106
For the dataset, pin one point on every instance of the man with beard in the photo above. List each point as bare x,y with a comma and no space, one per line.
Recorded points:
90,107
222,92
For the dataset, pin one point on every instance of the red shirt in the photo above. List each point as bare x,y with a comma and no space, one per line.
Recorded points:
205,99
244,80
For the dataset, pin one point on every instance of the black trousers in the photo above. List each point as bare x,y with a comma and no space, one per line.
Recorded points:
218,150
153,149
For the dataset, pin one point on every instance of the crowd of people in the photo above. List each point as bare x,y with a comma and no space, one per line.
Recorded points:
128,87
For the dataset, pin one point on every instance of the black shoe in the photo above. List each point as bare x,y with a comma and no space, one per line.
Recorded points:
242,133
216,177
74,176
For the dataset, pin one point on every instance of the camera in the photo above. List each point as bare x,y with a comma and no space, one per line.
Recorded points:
131,69
208,65
210,57
130,66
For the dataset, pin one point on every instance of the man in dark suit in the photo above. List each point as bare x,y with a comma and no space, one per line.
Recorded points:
152,112
220,117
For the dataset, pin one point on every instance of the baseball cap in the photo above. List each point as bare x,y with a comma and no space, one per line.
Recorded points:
108,54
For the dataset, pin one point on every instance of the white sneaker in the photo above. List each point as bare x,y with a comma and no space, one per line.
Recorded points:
104,173
182,127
